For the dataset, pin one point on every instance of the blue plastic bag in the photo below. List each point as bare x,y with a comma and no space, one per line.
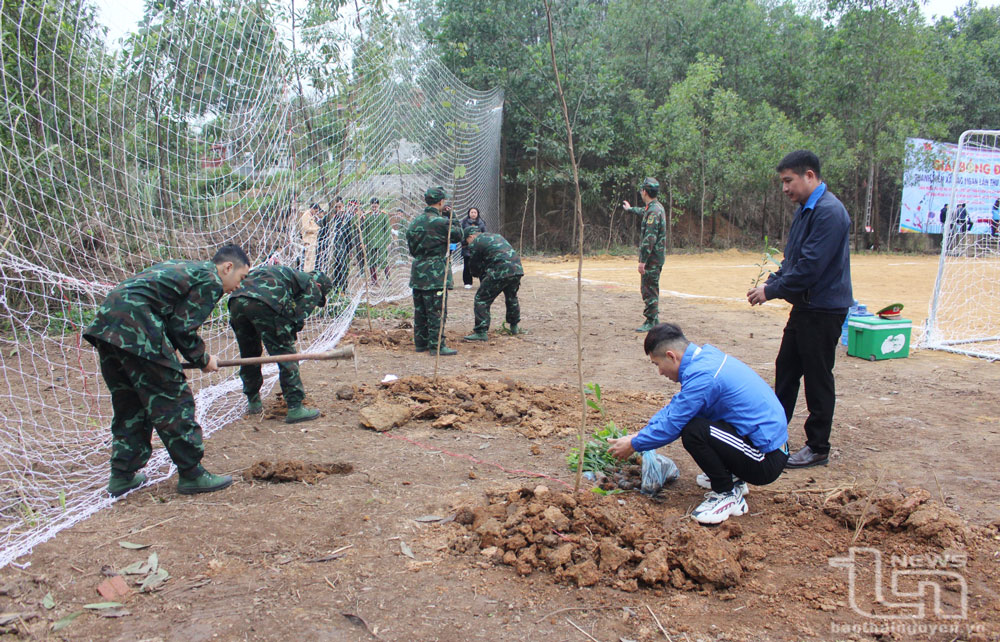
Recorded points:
657,470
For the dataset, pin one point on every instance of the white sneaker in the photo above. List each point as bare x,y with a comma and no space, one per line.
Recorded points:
703,481
717,507
468,287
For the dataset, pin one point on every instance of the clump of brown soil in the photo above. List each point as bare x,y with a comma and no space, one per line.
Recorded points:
627,477
383,338
586,539
911,510
294,471
532,411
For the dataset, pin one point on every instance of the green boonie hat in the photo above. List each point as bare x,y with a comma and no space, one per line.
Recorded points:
323,281
651,184
435,195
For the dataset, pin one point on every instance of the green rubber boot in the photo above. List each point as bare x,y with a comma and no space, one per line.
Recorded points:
646,327
254,405
301,413
517,329
121,484
445,351
476,336
420,349
206,482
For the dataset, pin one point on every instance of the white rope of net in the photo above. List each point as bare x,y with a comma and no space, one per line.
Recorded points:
209,124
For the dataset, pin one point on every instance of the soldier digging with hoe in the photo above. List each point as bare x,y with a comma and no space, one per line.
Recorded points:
137,331
272,307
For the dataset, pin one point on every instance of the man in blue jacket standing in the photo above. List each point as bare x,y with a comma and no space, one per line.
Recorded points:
815,277
726,416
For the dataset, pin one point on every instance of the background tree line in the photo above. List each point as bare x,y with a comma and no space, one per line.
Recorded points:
707,95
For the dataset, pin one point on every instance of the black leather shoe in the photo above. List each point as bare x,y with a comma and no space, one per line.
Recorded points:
806,458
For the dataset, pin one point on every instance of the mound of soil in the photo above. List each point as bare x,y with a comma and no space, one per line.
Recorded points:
911,510
294,471
458,402
586,539
628,542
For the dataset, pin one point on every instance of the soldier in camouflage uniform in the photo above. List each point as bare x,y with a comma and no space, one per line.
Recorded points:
376,233
428,238
652,250
498,267
136,332
272,307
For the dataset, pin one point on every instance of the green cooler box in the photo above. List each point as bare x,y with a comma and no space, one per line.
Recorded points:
874,338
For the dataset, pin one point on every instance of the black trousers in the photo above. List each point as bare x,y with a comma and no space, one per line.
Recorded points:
721,452
466,270
808,351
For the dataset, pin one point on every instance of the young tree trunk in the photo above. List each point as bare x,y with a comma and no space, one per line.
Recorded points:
578,222
701,220
670,219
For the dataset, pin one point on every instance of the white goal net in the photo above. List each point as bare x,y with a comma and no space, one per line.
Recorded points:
965,308
272,125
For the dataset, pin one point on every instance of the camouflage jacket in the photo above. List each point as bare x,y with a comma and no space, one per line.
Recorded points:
375,230
653,233
428,240
292,294
491,256
160,310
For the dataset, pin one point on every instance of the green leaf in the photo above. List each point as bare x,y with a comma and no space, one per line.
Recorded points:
460,171
137,568
153,562
102,605
154,580
593,404
48,602
62,623
134,547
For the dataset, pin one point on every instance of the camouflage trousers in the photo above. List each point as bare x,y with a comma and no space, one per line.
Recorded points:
253,322
649,287
144,397
428,317
489,290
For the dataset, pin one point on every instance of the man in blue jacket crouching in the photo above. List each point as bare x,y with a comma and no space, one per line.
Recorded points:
728,419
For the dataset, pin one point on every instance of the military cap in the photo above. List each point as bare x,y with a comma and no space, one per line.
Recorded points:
651,186
323,281
435,195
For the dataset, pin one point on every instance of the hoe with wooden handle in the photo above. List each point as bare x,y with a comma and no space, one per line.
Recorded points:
347,352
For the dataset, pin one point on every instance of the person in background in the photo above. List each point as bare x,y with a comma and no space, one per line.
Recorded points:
375,232
324,240
652,250
309,229
472,220
995,219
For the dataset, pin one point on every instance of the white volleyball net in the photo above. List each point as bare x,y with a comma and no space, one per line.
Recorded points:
208,123
965,309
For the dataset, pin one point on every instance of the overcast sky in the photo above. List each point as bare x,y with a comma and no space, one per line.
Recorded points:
122,16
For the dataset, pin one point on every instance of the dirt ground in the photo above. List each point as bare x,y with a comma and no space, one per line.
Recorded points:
460,523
